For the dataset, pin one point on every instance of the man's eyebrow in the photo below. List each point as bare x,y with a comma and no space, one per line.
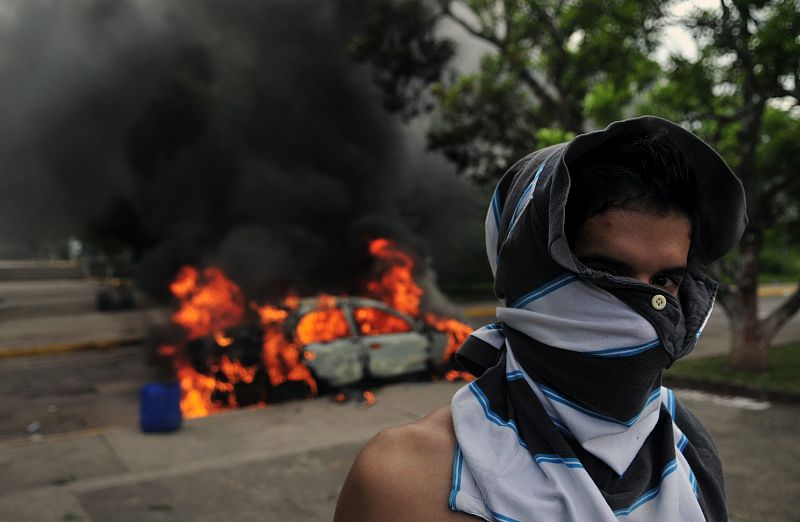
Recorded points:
618,263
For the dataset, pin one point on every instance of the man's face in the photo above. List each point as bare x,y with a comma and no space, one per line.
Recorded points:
645,246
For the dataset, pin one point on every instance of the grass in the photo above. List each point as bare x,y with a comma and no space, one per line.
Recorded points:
766,278
782,375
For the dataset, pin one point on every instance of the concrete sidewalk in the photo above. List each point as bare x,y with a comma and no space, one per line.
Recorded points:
43,317
79,331
285,462
288,461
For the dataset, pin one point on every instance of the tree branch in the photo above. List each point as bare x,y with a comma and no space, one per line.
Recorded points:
477,33
771,325
522,72
558,38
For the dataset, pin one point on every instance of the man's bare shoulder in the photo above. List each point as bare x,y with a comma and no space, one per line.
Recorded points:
403,474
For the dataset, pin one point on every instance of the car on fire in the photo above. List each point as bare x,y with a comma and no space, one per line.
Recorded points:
354,338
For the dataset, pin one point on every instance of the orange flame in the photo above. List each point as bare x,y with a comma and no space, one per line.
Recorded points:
167,350
324,324
395,286
209,304
282,358
372,321
196,393
222,339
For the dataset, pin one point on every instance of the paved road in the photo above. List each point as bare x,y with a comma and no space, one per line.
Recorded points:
70,449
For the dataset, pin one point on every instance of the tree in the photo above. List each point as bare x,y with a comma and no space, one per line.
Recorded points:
741,94
554,68
551,67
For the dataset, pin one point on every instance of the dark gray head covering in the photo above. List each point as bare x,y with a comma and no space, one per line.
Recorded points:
578,350
527,244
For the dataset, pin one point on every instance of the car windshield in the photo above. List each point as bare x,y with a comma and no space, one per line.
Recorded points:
322,325
374,321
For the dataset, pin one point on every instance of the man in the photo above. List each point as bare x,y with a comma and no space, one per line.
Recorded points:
597,247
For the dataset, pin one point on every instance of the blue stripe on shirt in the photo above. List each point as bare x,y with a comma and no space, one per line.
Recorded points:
492,416
543,290
651,494
627,351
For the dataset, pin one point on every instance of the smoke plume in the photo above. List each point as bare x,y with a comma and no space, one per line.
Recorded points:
197,131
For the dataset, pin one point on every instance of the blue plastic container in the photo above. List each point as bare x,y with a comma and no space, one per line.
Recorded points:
160,406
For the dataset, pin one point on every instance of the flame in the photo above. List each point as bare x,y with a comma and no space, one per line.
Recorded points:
196,389
281,357
457,332
236,372
395,286
222,339
324,324
372,321
210,305
167,350
184,282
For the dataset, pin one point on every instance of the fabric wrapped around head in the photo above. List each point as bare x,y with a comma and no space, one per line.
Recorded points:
568,403
528,249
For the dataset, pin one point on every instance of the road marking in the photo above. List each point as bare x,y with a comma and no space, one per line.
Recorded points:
743,403
68,347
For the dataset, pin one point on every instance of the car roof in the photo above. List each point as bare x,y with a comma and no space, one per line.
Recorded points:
308,304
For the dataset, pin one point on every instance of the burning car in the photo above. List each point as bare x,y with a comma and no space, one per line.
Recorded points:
360,338
229,351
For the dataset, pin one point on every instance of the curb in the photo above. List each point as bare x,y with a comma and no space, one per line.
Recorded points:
739,390
480,311
777,290
51,349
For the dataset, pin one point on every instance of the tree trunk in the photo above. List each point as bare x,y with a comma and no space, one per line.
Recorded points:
748,347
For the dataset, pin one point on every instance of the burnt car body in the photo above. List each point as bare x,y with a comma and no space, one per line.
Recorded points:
363,352
355,353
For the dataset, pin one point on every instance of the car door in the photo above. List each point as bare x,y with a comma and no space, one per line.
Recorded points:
394,346
331,348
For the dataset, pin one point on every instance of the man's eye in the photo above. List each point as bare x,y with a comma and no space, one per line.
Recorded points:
665,281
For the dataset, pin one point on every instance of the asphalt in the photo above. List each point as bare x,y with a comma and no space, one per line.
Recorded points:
288,461
284,462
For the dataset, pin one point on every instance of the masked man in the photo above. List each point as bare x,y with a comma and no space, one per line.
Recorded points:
597,247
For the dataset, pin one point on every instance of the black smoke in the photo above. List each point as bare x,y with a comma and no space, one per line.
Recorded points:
197,131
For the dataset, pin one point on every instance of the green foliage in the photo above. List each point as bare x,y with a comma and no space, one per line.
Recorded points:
741,95
547,136
779,259
550,65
